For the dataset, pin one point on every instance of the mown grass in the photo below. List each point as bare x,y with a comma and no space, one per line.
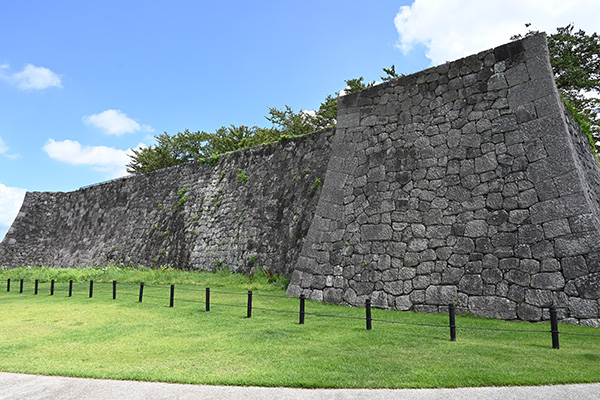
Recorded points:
125,339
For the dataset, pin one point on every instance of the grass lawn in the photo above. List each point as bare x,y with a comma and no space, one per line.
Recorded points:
124,339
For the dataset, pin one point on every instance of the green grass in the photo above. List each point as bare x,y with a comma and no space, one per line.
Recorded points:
149,341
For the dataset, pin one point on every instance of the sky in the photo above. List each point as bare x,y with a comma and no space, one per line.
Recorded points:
84,82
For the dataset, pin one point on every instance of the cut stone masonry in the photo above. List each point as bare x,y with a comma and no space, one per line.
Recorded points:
465,183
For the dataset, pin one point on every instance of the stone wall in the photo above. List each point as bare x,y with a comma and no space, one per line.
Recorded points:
251,209
465,183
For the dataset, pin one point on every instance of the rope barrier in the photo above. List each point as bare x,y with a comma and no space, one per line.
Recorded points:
83,289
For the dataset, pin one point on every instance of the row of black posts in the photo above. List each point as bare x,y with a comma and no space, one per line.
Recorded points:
302,313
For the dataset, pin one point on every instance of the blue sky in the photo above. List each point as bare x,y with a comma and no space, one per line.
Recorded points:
82,82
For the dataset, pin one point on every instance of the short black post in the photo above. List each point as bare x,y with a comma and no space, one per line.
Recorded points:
302,305
8,285
451,313
70,288
368,310
141,291
554,328
207,299
35,290
249,313
91,289
52,287
21,288
172,295
114,290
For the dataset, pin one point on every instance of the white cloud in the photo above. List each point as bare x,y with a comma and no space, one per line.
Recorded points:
3,146
451,29
115,122
101,158
4,150
31,77
11,199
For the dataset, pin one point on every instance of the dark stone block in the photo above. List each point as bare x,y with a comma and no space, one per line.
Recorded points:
471,284
511,51
588,286
492,306
527,312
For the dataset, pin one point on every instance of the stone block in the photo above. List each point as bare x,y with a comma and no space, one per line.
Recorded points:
539,297
517,277
471,284
582,308
492,306
487,162
332,295
529,266
394,288
588,286
375,232
403,303
491,275
559,227
476,228
527,312
517,74
417,296
440,295
530,233
576,244
516,293
421,282
548,280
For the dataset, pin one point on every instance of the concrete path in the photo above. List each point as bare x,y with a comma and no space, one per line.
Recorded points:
33,387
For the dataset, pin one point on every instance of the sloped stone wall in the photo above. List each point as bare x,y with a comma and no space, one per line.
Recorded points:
465,183
251,209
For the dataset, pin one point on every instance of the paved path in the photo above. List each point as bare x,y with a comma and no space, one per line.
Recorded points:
33,387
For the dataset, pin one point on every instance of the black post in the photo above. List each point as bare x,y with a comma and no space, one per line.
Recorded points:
302,301
451,313
114,290
70,288
141,291
52,287
36,287
368,310
91,289
172,295
8,285
554,328
207,299
21,289
249,314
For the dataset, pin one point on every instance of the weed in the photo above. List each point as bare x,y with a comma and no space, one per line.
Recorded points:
214,160
241,176
316,185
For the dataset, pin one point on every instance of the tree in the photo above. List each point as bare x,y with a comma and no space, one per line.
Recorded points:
390,73
187,146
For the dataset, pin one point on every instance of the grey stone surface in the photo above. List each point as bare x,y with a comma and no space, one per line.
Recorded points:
193,215
492,184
